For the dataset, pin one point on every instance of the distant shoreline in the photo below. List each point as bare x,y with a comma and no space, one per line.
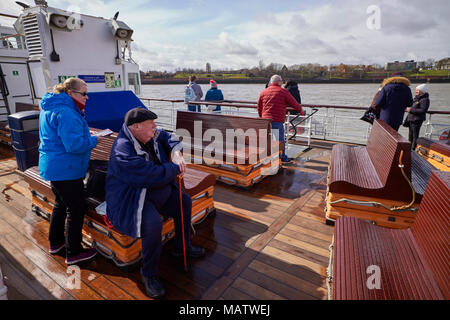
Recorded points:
264,81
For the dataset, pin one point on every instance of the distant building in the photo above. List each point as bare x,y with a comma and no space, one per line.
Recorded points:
400,66
443,64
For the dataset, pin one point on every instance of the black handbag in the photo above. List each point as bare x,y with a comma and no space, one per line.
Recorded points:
370,115
96,179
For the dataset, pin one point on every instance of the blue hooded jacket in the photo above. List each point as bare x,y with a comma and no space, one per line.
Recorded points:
132,173
65,140
214,94
393,99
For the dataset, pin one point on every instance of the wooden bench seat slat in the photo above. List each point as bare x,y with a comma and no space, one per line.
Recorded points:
420,172
413,262
373,171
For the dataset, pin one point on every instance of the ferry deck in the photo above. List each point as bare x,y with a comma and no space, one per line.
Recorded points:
269,242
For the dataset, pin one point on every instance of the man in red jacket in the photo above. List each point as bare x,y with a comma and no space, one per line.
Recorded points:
272,105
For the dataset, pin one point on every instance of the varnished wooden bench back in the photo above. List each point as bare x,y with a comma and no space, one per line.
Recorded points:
384,147
432,228
186,120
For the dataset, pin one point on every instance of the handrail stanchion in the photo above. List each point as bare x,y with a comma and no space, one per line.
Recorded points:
429,128
286,130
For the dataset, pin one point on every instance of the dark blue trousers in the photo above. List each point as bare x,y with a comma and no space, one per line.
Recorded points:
167,203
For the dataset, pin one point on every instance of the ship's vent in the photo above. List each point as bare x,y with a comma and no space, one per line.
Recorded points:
32,36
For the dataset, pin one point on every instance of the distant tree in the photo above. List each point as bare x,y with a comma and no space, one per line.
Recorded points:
261,65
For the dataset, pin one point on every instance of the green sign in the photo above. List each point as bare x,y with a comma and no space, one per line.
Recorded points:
61,79
15,73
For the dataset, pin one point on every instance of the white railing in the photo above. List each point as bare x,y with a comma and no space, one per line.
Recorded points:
334,123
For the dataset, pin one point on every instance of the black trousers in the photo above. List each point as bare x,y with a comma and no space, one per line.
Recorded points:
70,204
414,130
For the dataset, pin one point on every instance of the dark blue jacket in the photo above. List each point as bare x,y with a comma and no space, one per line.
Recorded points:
214,94
419,108
132,173
65,140
394,98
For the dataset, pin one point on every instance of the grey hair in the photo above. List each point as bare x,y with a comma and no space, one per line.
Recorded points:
275,78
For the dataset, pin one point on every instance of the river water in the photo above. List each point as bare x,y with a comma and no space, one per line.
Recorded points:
360,95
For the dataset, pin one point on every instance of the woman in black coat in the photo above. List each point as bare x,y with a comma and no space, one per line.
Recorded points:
417,113
292,87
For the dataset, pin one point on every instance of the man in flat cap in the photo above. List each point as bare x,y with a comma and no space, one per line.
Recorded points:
140,187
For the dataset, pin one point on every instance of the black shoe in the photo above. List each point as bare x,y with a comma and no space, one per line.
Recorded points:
286,160
153,287
192,252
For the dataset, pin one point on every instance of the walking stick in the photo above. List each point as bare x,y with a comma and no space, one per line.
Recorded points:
182,222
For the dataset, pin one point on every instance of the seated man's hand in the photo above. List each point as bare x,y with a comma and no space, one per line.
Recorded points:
178,159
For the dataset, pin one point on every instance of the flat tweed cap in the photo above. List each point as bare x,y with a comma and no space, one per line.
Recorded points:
138,115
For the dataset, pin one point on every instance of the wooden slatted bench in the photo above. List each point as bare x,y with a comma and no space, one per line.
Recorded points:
435,152
242,163
123,250
371,263
361,178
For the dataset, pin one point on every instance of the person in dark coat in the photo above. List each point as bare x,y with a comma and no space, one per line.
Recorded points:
214,94
417,113
393,99
292,87
140,185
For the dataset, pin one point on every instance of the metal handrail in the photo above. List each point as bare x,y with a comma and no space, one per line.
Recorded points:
251,104
326,125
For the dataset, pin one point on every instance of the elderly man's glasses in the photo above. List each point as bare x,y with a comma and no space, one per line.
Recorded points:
84,94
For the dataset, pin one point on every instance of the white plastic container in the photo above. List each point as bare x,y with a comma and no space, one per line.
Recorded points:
3,288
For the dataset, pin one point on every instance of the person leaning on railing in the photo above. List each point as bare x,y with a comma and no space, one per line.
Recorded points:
393,99
214,94
272,104
64,152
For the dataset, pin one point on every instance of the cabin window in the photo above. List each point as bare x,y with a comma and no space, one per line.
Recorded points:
12,42
133,83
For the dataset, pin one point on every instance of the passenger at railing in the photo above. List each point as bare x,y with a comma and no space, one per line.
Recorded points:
393,99
140,185
64,153
272,105
417,113
197,96
292,87
214,94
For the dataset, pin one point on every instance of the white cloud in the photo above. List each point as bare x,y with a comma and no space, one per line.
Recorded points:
187,34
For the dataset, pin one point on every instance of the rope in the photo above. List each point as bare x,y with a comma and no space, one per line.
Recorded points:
375,204
401,166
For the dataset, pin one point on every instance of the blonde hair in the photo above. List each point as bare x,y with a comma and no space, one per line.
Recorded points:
69,84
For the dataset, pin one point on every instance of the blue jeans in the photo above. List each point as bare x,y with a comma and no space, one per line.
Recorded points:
191,107
280,127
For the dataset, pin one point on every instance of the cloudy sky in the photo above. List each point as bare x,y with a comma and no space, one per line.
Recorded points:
174,34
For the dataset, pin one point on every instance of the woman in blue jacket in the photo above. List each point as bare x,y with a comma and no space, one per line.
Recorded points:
64,152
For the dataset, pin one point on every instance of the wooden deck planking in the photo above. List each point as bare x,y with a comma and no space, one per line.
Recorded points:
252,248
